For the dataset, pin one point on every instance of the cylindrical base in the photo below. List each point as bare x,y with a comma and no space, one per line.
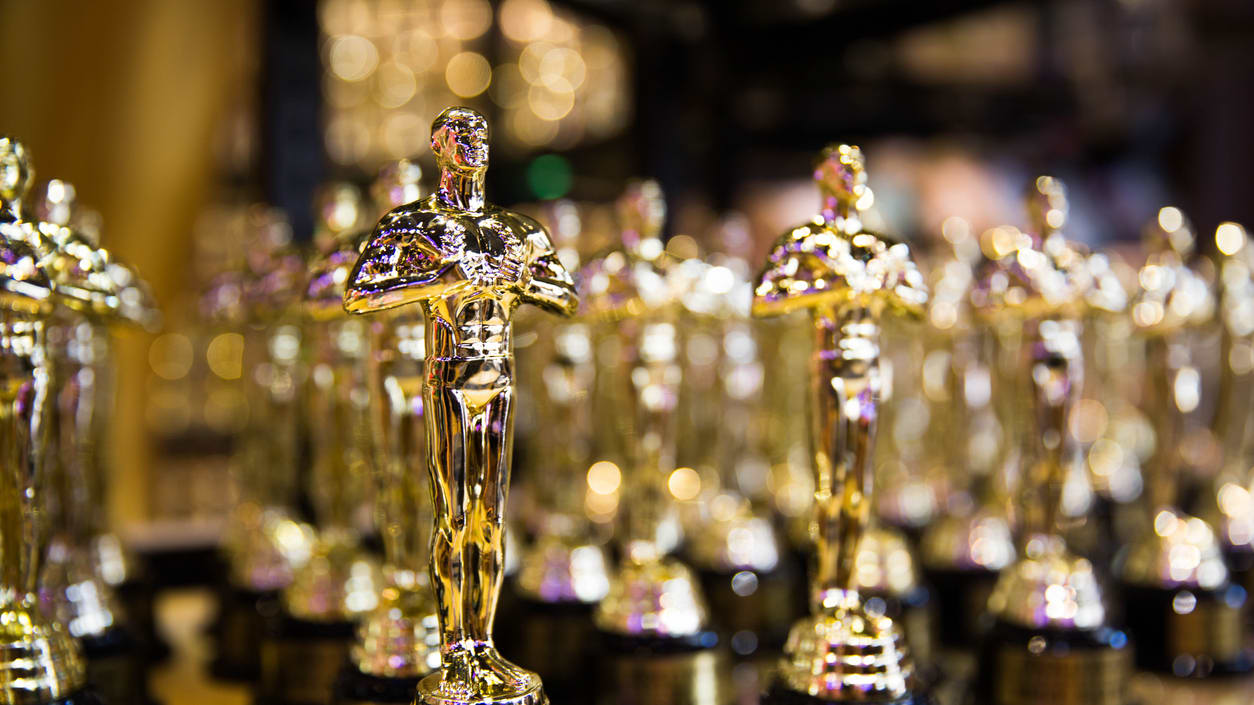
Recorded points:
137,598
1019,666
651,671
116,667
301,659
914,613
557,641
752,609
1240,562
86,696
961,603
353,687
239,632
780,695
1188,632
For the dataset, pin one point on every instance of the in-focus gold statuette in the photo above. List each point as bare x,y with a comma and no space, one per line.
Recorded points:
468,264
848,278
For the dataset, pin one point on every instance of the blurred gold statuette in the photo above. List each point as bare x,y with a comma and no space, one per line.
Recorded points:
848,278
40,662
1048,607
634,288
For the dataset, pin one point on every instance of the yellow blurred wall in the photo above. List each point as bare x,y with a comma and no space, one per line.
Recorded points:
125,98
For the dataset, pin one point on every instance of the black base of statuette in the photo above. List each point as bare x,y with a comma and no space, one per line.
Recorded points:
961,604
86,696
352,687
915,613
753,609
1240,560
300,660
777,694
138,597
1189,632
1019,666
692,670
116,667
557,641
239,631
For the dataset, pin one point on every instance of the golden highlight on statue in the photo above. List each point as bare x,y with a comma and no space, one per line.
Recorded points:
468,264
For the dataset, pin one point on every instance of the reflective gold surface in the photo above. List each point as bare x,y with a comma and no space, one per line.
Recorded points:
468,264
39,660
848,278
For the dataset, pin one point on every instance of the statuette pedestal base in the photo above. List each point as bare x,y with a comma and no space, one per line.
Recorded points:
556,640
300,660
1188,632
961,603
432,690
239,632
690,670
779,695
753,609
1019,666
353,687
116,667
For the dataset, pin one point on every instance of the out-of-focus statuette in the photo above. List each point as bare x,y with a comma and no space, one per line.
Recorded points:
848,278
1050,641
652,595
468,264
1182,608
40,661
398,642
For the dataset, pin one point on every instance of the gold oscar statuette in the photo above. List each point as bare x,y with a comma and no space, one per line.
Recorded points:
40,661
468,265
1050,641
848,279
1183,610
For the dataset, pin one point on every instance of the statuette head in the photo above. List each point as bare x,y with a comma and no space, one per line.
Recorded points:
1046,200
641,211
459,139
841,175
398,183
339,209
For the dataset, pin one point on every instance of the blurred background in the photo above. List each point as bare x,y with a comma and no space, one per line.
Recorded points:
170,117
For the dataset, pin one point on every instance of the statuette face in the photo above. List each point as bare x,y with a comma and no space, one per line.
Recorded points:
468,265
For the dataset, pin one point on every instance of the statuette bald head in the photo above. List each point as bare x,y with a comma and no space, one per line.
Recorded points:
459,139
641,211
841,175
1046,200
